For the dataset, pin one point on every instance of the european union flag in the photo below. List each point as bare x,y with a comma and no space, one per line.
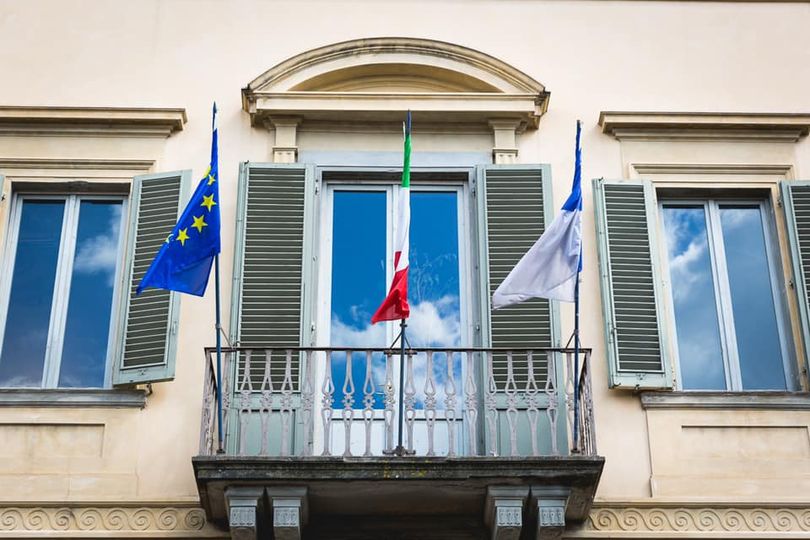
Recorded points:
184,261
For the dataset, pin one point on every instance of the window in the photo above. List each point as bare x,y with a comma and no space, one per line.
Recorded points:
729,332
693,293
60,281
358,265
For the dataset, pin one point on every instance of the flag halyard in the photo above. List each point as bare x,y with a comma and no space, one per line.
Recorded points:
184,261
395,306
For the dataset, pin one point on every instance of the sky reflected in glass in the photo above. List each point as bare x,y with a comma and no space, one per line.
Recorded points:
84,351
29,310
694,301
755,323
359,284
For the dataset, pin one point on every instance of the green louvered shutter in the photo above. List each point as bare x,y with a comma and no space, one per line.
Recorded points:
269,264
517,209
796,201
626,229
149,341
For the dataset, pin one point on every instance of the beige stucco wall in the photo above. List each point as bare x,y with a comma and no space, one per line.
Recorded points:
592,56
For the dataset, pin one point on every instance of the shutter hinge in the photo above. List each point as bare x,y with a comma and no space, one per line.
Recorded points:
779,201
791,284
174,328
317,187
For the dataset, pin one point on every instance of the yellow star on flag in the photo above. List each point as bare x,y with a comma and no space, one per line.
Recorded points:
199,223
182,236
208,201
211,179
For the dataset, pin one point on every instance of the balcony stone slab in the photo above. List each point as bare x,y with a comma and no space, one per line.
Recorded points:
404,490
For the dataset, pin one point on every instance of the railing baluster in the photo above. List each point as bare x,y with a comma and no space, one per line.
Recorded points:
245,389
532,410
430,402
227,392
266,403
307,401
490,402
368,401
590,429
390,400
551,410
409,398
209,396
327,400
569,380
348,405
471,403
511,403
286,404
450,405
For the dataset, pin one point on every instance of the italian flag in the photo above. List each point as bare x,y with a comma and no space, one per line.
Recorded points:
395,306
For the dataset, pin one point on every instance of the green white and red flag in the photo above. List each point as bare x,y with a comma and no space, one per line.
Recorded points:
395,306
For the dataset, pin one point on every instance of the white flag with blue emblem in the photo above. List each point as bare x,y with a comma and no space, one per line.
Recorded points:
551,267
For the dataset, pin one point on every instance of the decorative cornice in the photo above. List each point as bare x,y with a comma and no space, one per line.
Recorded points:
305,86
673,521
77,163
651,126
737,169
100,520
90,121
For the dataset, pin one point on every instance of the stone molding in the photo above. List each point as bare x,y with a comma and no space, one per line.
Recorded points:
783,401
442,83
682,520
692,126
82,398
90,121
102,519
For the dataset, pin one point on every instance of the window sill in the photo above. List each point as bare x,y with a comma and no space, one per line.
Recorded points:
726,400
57,397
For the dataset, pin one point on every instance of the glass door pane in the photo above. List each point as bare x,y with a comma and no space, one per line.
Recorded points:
358,285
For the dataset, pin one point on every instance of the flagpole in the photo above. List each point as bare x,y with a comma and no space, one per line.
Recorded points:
400,449
576,364
220,449
576,315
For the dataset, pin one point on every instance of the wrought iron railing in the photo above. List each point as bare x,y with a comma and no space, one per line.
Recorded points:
305,401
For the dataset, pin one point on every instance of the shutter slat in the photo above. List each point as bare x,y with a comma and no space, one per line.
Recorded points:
147,353
270,307
797,217
636,354
515,220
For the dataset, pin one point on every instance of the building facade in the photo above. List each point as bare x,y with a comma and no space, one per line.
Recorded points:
686,412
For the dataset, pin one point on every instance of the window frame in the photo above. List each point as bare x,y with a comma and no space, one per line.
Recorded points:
323,234
711,203
64,267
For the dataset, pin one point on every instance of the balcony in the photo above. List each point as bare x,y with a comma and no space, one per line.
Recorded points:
354,443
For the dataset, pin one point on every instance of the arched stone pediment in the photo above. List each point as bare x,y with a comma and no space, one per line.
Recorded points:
375,80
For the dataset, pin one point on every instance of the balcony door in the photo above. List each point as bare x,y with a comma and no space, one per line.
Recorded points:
356,268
